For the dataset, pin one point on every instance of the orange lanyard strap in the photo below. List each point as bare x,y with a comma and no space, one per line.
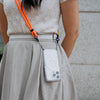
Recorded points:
24,15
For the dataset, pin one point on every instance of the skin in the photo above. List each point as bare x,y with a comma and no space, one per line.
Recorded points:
3,25
70,19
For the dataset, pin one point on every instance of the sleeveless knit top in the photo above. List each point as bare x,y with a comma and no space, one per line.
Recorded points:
44,20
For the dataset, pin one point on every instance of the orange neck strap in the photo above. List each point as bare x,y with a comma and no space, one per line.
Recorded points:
24,15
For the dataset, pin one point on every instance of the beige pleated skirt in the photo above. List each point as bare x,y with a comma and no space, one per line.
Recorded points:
21,72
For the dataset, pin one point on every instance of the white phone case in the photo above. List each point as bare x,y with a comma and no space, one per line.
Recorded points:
51,65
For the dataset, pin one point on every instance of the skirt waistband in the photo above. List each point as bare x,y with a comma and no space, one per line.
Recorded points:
46,40
50,36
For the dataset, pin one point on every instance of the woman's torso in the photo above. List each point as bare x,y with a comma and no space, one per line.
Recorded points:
45,19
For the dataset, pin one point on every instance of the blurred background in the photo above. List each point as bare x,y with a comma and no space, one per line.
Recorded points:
85,57
1,47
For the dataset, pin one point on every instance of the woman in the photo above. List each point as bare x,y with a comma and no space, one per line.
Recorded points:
22,74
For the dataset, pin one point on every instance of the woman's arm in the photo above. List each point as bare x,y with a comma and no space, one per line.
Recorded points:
70,19
3,25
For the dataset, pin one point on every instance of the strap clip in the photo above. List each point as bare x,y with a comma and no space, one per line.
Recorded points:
57,38
36,38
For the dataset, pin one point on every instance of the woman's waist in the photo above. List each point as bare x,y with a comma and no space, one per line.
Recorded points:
28,36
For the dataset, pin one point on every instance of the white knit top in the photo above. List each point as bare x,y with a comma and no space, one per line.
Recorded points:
43,20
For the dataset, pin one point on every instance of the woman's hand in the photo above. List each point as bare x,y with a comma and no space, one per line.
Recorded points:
70,18
3,25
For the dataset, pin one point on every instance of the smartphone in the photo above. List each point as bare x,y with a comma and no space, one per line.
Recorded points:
51,64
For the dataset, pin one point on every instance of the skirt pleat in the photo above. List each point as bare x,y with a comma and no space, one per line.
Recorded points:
22,74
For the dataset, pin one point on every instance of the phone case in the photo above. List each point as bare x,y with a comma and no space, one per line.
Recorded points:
51,65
